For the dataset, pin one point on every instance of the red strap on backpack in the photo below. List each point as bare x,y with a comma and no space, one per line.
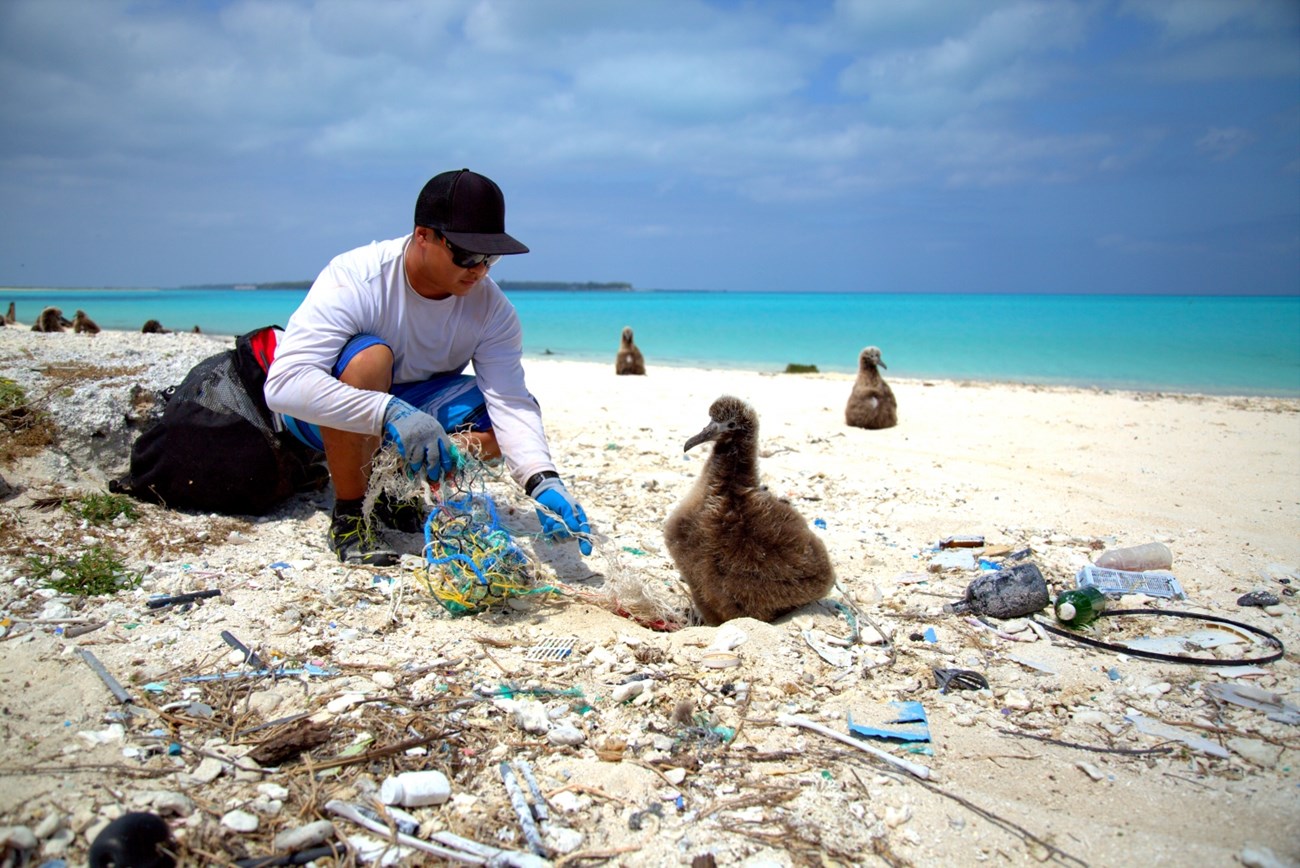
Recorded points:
263,342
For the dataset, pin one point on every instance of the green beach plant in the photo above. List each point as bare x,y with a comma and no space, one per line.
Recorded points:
98,570
24,429
101,507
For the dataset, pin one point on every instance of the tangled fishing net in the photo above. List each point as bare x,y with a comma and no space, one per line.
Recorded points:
473,561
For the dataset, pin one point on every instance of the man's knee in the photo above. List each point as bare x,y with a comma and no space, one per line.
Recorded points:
370,369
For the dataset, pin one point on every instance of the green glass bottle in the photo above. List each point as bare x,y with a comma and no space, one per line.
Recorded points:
1080,607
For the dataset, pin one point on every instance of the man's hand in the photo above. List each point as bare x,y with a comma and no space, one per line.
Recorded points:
421,439
552,494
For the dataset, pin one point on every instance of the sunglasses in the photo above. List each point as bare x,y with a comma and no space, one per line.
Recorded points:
462,258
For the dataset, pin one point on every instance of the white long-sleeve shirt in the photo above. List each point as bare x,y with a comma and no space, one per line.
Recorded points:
365,291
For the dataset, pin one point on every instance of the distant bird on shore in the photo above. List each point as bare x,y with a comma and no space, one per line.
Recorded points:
629,360
871,403
742,552
153,327
11,316
50,320
82,324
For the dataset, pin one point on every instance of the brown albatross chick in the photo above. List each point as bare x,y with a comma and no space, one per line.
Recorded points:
742,552
50,320
82,323
871,403
629,360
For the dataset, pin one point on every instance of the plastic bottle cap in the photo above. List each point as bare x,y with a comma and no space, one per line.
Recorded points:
1065,611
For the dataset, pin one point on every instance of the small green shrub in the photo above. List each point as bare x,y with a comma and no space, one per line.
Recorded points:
24,429
98,570
795,368
102,508
12,395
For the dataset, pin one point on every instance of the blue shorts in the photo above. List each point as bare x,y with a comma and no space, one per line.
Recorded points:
454,398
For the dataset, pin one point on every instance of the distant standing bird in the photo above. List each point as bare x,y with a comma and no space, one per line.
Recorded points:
153,327
82,323
871,403
50,320
742,552
629,359
11,316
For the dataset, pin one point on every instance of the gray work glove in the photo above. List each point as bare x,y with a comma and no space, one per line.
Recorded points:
421,439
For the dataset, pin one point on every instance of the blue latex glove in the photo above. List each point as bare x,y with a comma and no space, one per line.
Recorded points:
552,494
421,439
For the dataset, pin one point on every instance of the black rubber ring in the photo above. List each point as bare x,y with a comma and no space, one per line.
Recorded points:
1172,658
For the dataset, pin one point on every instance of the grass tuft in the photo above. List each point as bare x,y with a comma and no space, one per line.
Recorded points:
98,570
102,508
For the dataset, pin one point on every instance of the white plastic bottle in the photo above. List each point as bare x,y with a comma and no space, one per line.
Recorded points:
1148,556
415,789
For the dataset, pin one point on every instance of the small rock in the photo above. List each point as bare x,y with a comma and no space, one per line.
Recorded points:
529,715
57,844
895,817
675,776
562,839
1090,770
165,802
305,836
632,689
567,802
1261,753
241,821
18,838
263,702
47,827
384,680
1017,699
344,702
1259,857
565,734
1258,598
267,807
273,791
208,770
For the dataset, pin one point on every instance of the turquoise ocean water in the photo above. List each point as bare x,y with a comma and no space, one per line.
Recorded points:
1216,345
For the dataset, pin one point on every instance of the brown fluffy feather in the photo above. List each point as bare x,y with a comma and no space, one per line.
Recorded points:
742,552
871,403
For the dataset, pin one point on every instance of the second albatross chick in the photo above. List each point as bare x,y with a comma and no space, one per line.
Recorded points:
742,552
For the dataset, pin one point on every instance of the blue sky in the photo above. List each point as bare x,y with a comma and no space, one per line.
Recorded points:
863,145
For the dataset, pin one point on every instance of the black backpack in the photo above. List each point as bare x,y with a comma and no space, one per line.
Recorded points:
214,448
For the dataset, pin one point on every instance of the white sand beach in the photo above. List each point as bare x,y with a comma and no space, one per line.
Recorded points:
1073,755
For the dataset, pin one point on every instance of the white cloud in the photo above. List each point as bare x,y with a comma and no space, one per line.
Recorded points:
1224,143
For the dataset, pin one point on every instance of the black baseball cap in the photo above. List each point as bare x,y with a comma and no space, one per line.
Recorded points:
469,210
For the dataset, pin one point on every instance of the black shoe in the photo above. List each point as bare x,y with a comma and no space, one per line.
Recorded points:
404,516
355,542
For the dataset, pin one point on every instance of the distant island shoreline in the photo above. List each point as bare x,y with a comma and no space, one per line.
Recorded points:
507,285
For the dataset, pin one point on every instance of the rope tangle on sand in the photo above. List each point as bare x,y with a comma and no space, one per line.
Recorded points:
472,561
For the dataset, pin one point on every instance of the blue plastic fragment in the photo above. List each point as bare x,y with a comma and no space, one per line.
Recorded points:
280,565
911,715
1113,674
309,669
820,522
929,635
